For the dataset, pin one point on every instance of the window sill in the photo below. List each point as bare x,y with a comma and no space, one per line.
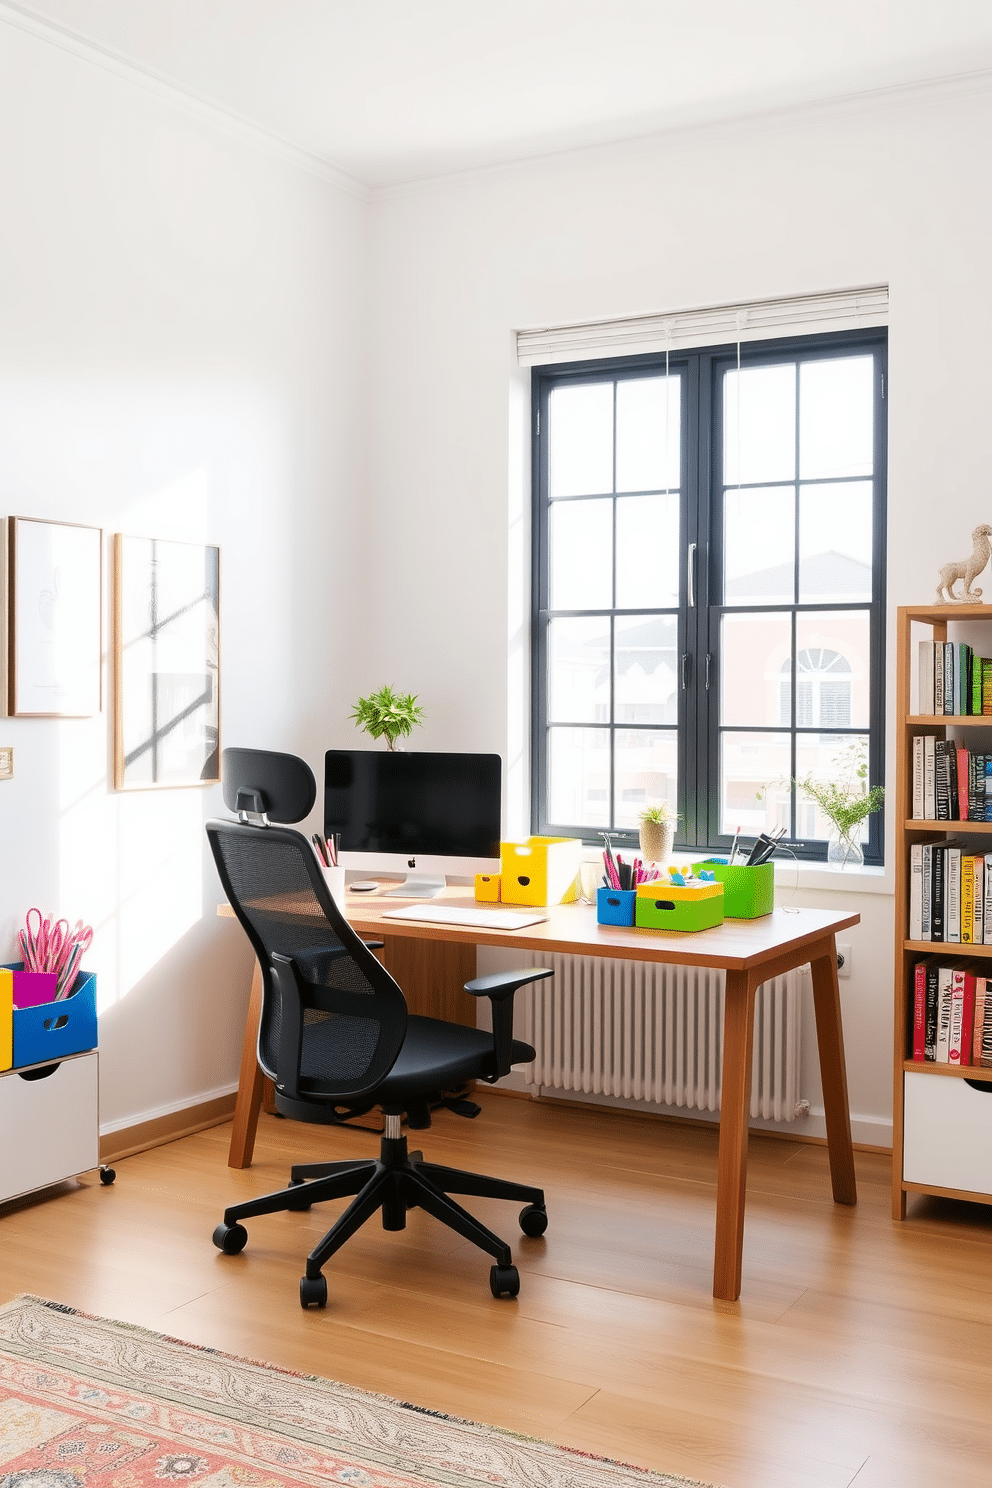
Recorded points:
790,874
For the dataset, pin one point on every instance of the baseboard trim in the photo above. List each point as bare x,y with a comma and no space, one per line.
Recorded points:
639,1114
169,1128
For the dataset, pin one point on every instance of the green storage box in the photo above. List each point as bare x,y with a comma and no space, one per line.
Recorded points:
662,906
748,893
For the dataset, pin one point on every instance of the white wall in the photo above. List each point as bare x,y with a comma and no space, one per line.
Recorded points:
181,317
885,192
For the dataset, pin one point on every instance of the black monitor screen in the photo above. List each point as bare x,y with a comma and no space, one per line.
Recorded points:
410,803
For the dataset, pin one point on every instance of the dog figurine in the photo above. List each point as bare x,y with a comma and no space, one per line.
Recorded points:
967,571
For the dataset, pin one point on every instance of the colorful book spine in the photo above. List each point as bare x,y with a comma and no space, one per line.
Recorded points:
978,874
963,763
986,686
966,902
977,664
918,777
945,980
954,896
981,1044
932,1014
955,1027
919,1011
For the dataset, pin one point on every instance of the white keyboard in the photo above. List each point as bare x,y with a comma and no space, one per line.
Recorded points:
452,914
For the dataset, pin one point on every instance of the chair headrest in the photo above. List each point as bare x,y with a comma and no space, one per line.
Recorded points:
281,786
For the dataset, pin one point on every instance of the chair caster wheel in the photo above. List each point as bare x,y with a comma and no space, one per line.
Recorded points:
230,1238
504,1281
534,1220
298,1206
107,1176
313,1291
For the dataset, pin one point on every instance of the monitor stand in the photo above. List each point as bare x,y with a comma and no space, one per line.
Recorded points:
418,886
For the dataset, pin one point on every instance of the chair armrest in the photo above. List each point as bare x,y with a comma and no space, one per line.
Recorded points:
500,987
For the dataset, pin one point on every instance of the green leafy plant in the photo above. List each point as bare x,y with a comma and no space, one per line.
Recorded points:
660,815
388,715
845,799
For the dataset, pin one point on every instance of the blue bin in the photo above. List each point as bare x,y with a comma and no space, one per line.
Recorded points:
615,906
54,1030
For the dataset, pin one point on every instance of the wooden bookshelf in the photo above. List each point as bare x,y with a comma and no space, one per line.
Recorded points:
942,1114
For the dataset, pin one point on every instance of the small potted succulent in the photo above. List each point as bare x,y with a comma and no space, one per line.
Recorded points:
388,715
657,831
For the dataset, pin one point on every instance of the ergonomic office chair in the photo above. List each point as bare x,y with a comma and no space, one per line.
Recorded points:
335,1033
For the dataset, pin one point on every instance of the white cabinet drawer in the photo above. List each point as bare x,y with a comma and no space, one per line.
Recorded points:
48,1127
947,1134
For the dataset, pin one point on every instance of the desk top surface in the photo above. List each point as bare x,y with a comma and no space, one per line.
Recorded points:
572,928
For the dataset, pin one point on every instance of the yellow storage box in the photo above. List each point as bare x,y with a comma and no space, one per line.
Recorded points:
487,887
542,870
6,1018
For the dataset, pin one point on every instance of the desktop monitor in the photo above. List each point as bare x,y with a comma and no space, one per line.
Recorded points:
424,814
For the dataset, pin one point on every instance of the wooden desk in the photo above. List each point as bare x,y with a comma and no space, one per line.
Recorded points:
750,951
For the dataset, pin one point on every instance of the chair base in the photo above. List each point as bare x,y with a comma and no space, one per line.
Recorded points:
399,1180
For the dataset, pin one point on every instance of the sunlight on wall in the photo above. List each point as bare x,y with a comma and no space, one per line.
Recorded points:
159,884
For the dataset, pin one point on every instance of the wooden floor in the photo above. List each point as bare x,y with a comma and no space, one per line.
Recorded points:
860,1351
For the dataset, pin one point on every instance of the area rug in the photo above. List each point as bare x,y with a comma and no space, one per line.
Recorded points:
90,1403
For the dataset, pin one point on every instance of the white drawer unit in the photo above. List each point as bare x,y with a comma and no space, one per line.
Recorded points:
49,1124
947,1134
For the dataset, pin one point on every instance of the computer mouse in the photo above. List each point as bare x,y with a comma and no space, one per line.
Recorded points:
364,885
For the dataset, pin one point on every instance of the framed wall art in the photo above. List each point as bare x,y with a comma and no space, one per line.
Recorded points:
166,663
54,625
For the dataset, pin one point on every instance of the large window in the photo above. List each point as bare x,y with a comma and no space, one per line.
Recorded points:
708,586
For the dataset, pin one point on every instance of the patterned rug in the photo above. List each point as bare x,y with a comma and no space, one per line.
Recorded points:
89,1403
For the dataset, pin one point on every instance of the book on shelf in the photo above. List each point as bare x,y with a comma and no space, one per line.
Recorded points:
987,812
986,707
977,870
929,780
930,1010
964,765
942,779
981,1044
962,1020
926,877
945,983
938,677
987,908
918,814
954,906
937,891
925,706
916,891
949,677
918,1041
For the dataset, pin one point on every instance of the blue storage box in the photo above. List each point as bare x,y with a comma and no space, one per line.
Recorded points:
615,906
54,1030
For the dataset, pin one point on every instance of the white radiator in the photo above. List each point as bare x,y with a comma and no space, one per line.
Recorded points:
638,1030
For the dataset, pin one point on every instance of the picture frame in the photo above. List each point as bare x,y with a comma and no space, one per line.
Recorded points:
54,618
166,663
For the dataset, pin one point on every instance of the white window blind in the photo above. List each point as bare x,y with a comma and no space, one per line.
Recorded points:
715,325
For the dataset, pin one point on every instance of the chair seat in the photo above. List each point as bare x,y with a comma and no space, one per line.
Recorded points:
435,1056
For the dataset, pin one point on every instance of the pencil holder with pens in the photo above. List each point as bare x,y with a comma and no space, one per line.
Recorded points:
748,893
49,1031
615,906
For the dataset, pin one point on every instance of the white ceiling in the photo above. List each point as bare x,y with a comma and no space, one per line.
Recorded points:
393,90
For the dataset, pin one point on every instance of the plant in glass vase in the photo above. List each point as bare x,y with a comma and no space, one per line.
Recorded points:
845,800
657,831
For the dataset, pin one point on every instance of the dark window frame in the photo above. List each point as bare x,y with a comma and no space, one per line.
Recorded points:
700,523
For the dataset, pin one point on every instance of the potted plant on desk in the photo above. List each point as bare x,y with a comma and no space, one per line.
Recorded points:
657,832
388,715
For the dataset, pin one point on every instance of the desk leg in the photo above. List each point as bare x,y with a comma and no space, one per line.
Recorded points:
250,1083
735,1101
833,1072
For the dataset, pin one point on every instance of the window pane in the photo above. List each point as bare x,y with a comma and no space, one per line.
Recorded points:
649,427
753,649
830,758
755,770
646,763
833,659
836,417
647,551
581,538
835,547
579,777
580,445
765,434
579,671
759,546
646,669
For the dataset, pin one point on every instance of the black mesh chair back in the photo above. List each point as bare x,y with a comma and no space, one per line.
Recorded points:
354,1013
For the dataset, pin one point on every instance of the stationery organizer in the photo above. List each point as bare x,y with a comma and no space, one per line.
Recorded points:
668,906
542,870
50,1031
615,906
748,893
487,887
